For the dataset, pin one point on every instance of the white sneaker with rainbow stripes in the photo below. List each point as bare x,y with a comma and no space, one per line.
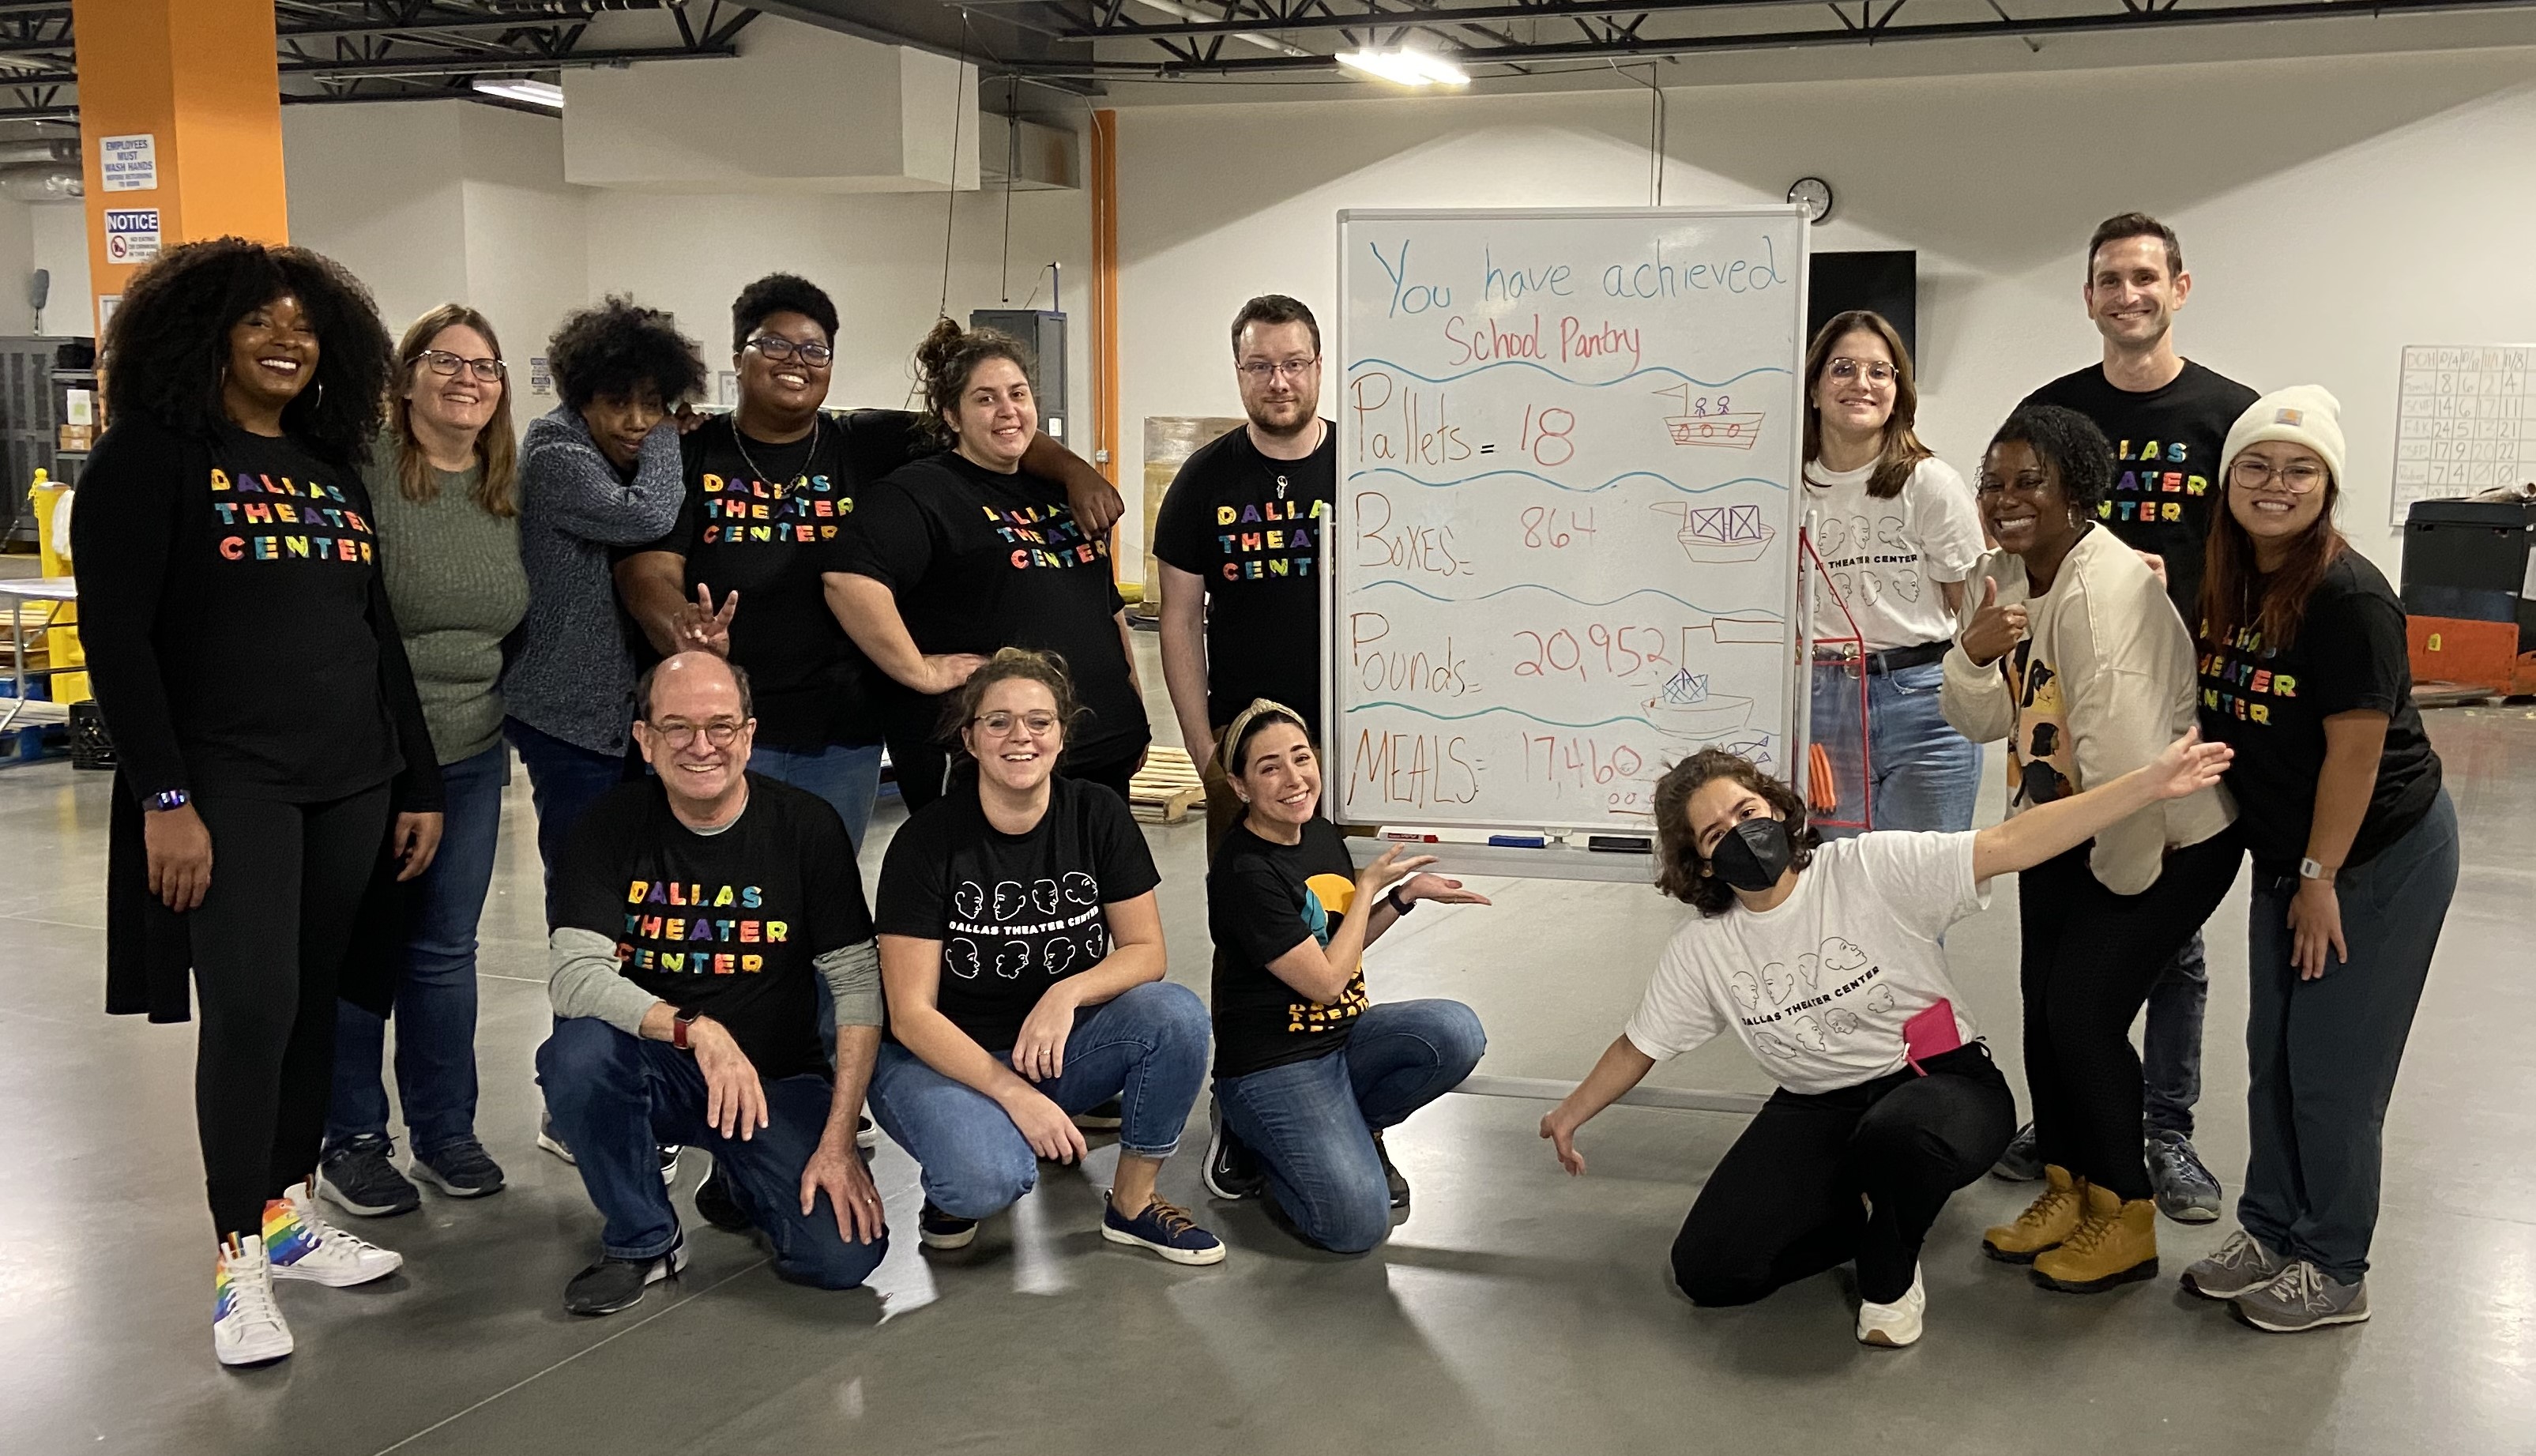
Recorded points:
301,1244
247,1328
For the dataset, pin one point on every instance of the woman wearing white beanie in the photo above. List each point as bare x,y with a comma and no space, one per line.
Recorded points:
2305,673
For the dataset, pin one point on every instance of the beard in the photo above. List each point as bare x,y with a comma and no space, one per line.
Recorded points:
1284,419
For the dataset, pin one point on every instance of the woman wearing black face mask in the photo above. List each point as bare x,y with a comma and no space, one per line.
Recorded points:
1826,960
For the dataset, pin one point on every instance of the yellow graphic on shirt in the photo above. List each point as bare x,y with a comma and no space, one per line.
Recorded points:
2043,763
1325,896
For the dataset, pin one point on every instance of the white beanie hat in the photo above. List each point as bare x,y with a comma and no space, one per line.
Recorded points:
2302,415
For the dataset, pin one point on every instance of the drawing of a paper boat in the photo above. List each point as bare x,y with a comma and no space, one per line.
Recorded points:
1720,534
1688,709
1717,431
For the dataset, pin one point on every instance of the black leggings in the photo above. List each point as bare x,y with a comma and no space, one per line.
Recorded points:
1783,1203
2089,959
269,941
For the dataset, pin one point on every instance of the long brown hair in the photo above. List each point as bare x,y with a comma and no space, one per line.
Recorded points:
1903,451
1680,872
947,357
2235,590
497,450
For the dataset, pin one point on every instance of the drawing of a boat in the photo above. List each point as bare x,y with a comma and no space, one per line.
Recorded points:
1741,432
1685,709
1725,534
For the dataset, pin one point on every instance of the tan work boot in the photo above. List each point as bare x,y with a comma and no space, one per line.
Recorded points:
2113,1243
2047,1221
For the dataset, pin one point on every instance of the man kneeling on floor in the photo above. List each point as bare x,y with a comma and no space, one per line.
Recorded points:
693,910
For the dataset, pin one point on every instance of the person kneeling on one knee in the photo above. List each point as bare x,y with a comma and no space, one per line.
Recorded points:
1308,1072
1021,950
1827,960
695,911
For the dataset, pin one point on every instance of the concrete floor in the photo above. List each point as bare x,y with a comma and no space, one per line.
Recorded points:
1515,1312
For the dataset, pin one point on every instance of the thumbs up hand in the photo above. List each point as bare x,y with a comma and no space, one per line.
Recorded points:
1994,629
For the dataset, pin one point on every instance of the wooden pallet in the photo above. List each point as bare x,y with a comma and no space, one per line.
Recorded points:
1167,788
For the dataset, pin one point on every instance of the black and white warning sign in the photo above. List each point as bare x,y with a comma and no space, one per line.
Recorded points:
131,235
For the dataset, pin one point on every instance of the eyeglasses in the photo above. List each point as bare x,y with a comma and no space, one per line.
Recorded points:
774,348
2298,477
1877,371
1260,371
719,733
1038,724
445,363
2027,483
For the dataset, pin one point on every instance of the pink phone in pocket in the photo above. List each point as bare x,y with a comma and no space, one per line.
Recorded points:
1930,1033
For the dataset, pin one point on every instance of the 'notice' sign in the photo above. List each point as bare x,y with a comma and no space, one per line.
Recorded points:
127,163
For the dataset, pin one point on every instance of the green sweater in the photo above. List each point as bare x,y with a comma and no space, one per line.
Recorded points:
454,582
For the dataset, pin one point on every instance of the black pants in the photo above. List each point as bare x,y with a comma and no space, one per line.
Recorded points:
2089,959
1783,1203
269,941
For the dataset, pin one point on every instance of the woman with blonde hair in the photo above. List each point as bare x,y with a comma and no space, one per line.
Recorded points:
441,479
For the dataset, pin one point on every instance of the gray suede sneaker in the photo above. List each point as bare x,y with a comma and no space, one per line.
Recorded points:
2021,1163
2241,1264
2303,1297
2185,1191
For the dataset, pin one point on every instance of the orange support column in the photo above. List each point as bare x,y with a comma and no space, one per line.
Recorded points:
180,128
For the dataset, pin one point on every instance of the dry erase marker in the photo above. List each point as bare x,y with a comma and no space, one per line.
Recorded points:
1412,836
1619,844
1519,840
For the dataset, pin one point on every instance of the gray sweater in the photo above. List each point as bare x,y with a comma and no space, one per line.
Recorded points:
572,676
454,582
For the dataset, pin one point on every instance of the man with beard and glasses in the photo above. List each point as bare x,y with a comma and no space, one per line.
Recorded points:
1240,543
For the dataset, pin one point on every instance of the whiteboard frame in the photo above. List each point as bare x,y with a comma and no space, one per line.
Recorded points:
1334,537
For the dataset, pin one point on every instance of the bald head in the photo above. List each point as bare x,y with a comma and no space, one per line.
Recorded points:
696,686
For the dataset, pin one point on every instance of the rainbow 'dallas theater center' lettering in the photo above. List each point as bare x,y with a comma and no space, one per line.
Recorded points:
740,509
2233,683
1046,536
2141,476
672,927
1256,539
327,528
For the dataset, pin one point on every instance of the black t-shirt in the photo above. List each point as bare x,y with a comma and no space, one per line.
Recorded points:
764,520
1250,527
980,560
1015,913
2350,654
1263,900
726,924
2166,462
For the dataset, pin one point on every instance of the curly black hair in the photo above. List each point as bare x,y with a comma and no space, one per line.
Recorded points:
2079,455
622,349
167,346
779,292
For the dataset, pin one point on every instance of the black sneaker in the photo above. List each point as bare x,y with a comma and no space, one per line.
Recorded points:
1106,1118
460,1169
1232,1169
670,1164
357,1177
719,1208
1392,1181
2021,1163
939,1230
611,1284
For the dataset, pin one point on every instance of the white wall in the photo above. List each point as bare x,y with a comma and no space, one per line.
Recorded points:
2332,210
58,236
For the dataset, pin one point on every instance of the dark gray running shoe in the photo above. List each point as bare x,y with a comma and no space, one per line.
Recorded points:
2020,1164
2184,1189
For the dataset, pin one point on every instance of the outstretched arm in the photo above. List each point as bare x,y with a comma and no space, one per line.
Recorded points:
2187,766
1623,1067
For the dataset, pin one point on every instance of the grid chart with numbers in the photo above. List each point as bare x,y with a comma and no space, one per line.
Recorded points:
2465,421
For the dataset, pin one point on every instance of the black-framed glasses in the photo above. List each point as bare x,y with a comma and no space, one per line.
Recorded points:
446,364
1877,371
1260,371
774,348
1000,723
2253,472
720,732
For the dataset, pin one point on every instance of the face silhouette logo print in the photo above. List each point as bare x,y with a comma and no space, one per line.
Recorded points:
1841,1023
1060,954
1009,899
1081,889
1043,897
1776,980
1748,991
1808,1034
1013,959
967,902
960,955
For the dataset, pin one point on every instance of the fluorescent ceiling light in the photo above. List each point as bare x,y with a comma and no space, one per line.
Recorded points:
535,92
1253,38
1404,66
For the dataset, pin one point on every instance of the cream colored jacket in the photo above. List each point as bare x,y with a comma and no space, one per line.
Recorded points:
2104,680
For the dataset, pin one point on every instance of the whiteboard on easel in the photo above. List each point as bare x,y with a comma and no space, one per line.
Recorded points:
2465,421
1563,554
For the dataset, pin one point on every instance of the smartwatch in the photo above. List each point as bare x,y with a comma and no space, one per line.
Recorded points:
2308,869
170,799
679,1026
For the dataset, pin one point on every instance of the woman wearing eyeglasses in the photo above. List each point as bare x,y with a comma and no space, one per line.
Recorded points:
1897,535
2306,673
1020,949
441,483
744,571
2076,657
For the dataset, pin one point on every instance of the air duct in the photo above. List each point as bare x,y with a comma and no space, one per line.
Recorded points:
41,181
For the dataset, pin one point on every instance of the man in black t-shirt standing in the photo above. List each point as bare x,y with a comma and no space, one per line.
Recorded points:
2167,419
1238,539
695,913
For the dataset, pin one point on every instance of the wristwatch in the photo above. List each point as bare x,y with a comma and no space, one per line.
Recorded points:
679,1026
168,798
2308,869
1399,907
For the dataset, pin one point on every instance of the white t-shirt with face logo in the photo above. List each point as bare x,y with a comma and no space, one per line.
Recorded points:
1886,558
1820,987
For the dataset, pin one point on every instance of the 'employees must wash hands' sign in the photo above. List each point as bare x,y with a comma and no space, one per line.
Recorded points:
131,235
127,163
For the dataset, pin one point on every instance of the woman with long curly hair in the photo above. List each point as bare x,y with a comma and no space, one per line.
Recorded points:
271,744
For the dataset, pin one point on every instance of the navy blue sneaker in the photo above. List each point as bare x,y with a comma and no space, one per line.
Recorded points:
459,1169
357,1177
1167,1230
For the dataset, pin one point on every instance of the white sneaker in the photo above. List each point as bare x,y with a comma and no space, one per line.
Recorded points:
1895,1325
548,1139
246,1325
303,1245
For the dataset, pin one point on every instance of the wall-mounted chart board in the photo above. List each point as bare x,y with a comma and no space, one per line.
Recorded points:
1564,550
2465,421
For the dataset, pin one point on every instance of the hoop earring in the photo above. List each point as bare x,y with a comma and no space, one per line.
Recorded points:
319,403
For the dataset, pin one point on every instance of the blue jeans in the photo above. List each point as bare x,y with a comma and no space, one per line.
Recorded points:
435,1001
564,780
2171,1044
849,779
1147,1047
616,1097
1927,775
2321,1056
1311,1123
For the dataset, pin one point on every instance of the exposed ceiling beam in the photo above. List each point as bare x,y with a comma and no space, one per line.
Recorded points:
506,63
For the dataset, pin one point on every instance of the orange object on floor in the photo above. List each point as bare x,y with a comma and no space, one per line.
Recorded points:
2476,654
1822,793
